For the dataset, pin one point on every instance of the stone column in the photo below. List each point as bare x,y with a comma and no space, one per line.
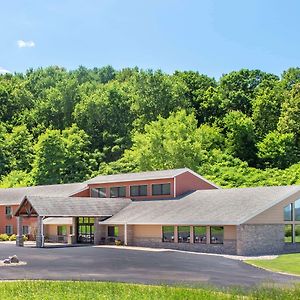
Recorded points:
19,239
97,231
73,237
75,230
192,234
175,234
40,233
207,234
130,237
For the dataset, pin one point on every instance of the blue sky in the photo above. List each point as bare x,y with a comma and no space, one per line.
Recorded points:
212,37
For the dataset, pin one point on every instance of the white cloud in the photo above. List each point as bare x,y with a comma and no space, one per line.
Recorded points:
3,71
25,44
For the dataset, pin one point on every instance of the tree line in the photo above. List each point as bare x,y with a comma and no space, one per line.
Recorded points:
60,126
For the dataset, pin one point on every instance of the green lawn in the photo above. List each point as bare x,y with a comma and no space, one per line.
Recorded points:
101,290
288,263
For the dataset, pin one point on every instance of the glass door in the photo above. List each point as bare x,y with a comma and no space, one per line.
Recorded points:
85,229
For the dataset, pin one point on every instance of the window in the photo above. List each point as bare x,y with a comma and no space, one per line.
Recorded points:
168,234
112,231
138,190
297,233
216,234
297,210
62,230
25,230
200,234
8,210
288,212
118,191
99,192
161,189
184,234
288,233
9,229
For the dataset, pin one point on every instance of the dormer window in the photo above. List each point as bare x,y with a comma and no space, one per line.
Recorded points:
138,190
161,189
118,191
98,192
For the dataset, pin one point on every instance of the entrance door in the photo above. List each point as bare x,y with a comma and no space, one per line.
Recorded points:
85,229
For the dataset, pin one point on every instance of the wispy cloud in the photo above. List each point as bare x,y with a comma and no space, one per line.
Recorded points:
3,71
25,44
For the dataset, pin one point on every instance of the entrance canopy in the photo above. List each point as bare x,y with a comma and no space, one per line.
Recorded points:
34,206
65,207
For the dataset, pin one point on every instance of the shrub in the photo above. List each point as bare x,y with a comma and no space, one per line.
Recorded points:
13,237
25,238
4,237
118,243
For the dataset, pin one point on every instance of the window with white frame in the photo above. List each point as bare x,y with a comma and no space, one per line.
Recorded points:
297,210
25,229
8,210
288,212
9,229
291,216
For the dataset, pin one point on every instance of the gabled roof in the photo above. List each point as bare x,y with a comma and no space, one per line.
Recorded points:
73,206
149,175
205,207
10,196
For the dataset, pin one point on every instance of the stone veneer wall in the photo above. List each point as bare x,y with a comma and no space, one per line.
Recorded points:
229,246
260,239
291,247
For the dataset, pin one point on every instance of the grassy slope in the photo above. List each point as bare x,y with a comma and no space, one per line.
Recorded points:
101,290
288,263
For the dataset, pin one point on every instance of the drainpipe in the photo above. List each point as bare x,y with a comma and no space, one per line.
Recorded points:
174,187
42,232
125,234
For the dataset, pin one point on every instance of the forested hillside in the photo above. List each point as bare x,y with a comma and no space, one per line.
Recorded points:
59,126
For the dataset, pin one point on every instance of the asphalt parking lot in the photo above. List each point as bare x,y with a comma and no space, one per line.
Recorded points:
124,265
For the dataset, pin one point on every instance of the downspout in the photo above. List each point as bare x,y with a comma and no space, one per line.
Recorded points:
175,187
42,231
125,234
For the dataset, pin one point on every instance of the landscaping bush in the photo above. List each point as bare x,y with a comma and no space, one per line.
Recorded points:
118,243
4,237
13,237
